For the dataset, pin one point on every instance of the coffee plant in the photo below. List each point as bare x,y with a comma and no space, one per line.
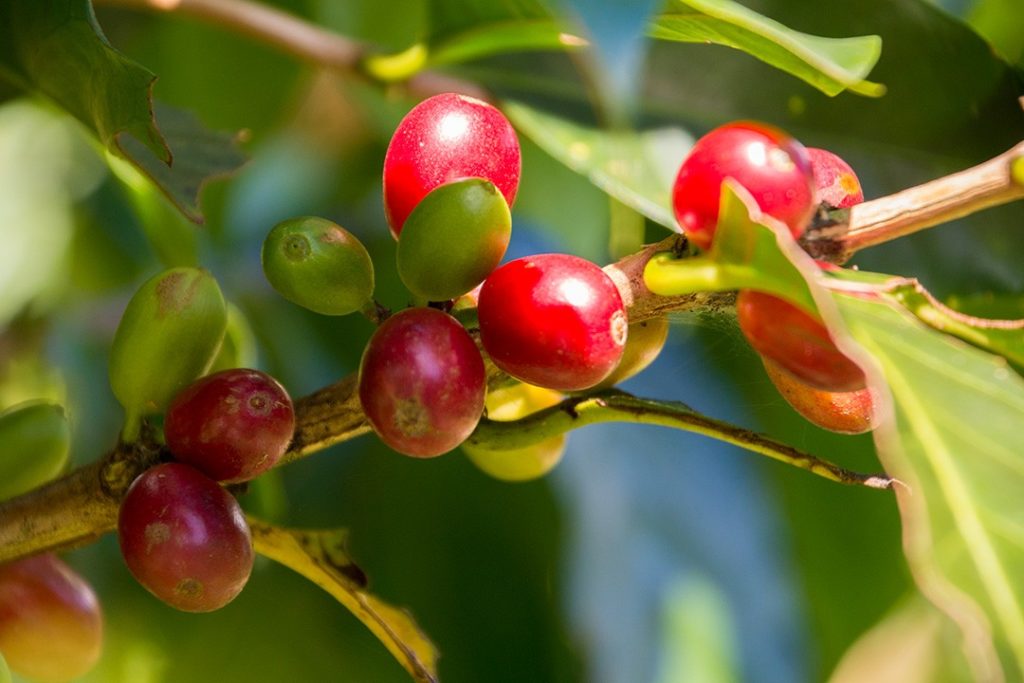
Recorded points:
501,298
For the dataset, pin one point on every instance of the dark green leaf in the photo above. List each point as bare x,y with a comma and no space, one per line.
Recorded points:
829,64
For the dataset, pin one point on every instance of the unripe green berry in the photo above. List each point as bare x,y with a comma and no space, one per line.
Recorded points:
318,265
34,445
453,239
168,336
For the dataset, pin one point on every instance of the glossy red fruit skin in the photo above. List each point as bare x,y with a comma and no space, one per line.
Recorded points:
796,341
553,320
837,185
444,138
51,625
232,425
773,167
422,382
184,538
844,412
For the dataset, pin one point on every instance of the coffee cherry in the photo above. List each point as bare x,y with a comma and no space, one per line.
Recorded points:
444,138
51,625
518,464
453,239
798,342
319,265
169,335
644,342
422,382
837,184
232,426
846,412
553,320
773,167
184,538
35,440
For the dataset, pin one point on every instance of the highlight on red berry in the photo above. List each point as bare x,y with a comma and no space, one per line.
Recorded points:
184,538
51,625
837,185
232,425
445,138
422,382
553,320
772,166
796,341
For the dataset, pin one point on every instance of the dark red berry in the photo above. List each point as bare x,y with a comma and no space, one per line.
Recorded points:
232,425
796,341
51,626
185,538
422,382
444,138
553,320
838,186
773,167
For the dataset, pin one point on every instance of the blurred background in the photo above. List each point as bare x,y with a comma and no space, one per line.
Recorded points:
648,555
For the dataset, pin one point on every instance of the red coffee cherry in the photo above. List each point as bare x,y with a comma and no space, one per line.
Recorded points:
796,341
51,625
444,138
837,184
184,538
771,165
232,425
553,320
846,412
422,382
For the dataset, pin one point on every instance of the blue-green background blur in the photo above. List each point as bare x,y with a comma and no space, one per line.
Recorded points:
648,556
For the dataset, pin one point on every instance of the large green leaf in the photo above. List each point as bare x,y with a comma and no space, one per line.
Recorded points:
55,48
829,64
957,443
635,168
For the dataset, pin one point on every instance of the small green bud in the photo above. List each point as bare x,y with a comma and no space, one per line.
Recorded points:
318,265
168,336
453,239
34,445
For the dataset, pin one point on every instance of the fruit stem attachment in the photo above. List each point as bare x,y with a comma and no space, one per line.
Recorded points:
617,406
375,312
996,181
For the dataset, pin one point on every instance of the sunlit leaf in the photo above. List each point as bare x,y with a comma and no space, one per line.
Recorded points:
636,168
321,557
829,64
957,443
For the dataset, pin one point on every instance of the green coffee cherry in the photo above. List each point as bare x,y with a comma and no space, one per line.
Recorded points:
34,444
453,239
319,265
238,349
168,336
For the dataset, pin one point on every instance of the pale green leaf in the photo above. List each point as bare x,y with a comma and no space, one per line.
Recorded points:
829,64
321,557
637,169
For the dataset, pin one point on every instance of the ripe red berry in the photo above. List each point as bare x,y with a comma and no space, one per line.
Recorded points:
51,626
773,167
422,382
846,412
837,184
553,320
444,138
185,538
796,341
232,425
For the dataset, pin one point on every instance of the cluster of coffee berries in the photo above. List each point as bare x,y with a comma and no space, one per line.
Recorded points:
788,182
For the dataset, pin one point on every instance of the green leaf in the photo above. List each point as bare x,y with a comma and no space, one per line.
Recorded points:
320,556
635,168
957,443
498,38
829,64
55,47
